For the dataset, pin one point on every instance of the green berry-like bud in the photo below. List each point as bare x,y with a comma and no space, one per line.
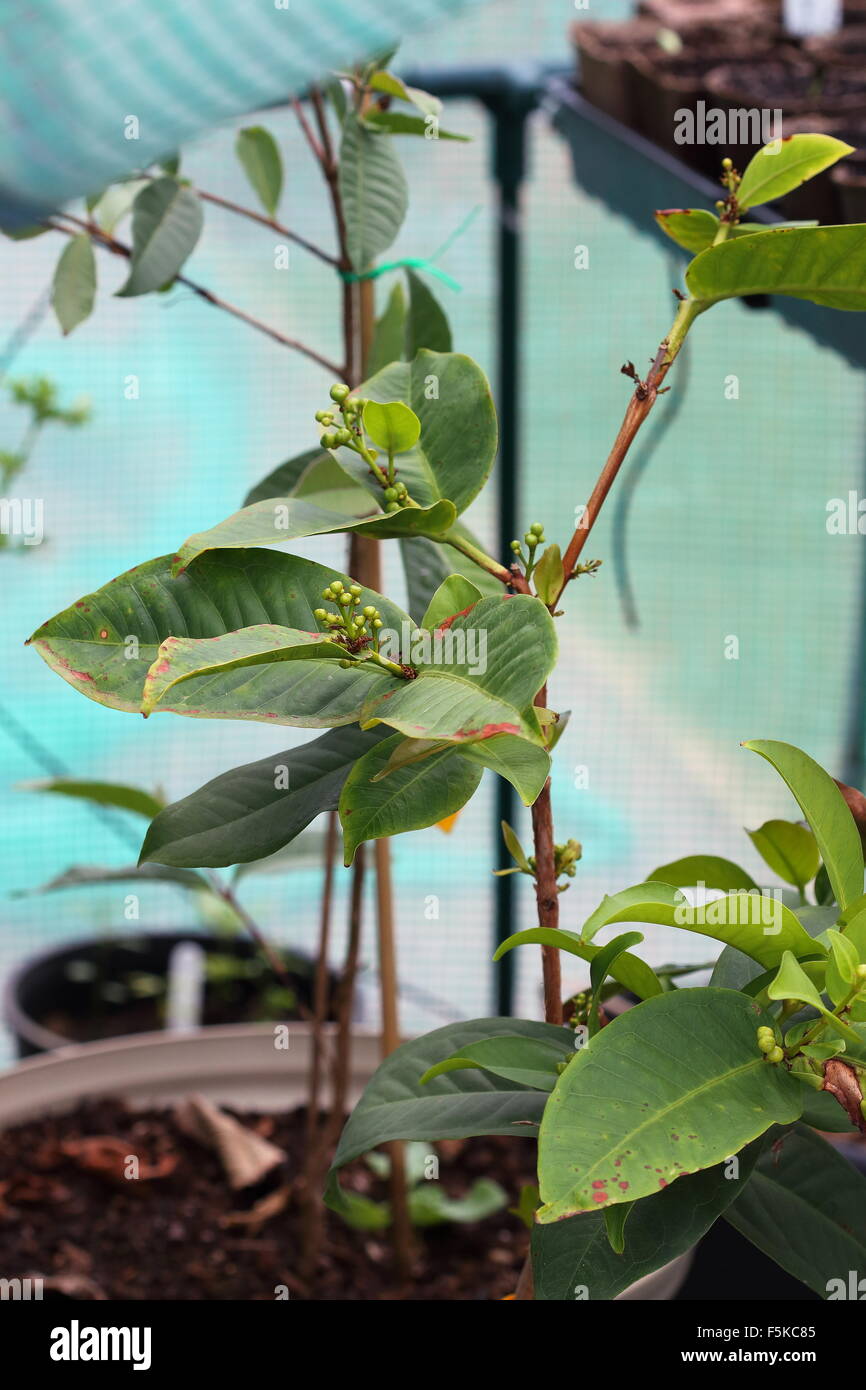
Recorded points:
344,600
776,1055
537,529
393,507
339,392
767,1045
515,546
337,586
377,623
370,612
343,436
320,614
328,593
401,491
530,539
320,416
860,972
346,664
390,494
355,589
727,164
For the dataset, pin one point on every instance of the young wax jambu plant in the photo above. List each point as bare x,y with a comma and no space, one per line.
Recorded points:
695,1102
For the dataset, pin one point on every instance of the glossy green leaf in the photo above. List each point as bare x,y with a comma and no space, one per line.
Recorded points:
166,224
454,595
614,1219
410,798
805,1207
826,265
631,972
735,970
450,395
183,658
672,1086
784,165
402,123
91,875
279,519
373,192
602,965
761,927
824,808
392,426
259,154
426,323
125,798
523,764
529,1061
73,290
789,849
253,811
792,982
573,1259
469,685
105,644
389,333
462,1103
426,567
707,869
514,847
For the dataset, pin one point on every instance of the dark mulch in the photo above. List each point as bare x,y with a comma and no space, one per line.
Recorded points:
174,1233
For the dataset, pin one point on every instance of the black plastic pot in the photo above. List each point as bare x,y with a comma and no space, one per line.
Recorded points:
69,983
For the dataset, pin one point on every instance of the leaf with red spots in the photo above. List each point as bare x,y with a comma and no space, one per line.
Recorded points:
684,1064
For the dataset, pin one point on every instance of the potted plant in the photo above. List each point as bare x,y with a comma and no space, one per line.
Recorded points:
423,702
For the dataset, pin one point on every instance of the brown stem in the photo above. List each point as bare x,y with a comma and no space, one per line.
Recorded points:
118,248
546,892
266,221
345,998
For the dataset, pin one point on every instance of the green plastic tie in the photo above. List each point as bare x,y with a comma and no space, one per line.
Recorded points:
414,262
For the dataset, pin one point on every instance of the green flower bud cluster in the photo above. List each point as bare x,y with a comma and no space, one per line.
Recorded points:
566,857
395,497
351,408
347,625
533,538
768,1045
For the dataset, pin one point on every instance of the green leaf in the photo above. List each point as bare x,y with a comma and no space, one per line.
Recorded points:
450,395
105,644
805,1207
430,1205
575,1255
395,87
614,1223
463,1103
408,799
90,875
784,165
393,426
761,927
824,808
253,811
166,224
183,658
73,291
691,228
135,799
549,575
789,849
469,685
631,972
673,1085
602,966
842,965
523,764
401,123
285,479
823,887
259,154
792,982
426,324
116,202
389,333
454,595
707,869
826,265
529,1061
515,848
373,192
278,519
